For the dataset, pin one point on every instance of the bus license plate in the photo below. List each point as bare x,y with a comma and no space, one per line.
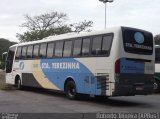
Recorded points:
139,88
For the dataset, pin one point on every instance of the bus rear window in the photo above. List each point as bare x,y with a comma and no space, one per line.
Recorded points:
137,41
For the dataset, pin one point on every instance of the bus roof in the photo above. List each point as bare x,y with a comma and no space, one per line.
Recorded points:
71,35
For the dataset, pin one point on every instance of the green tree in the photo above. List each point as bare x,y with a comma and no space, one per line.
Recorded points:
48,24
4,45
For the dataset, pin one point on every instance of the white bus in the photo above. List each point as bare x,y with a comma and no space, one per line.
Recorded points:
157,68
114,62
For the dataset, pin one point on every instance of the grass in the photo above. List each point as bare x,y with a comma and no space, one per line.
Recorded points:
7,87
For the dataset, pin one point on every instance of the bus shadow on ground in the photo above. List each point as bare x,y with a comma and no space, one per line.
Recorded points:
45,91
108,101
119,103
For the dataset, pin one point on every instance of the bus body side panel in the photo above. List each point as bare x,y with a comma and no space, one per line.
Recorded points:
52,74
9,79
32,74
98,82
57,71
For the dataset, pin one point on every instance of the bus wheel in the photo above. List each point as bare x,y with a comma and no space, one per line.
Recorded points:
157,86
70,90
18,84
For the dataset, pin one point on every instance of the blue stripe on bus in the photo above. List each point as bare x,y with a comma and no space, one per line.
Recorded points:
58,70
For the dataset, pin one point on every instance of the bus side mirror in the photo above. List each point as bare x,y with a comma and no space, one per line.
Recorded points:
4,56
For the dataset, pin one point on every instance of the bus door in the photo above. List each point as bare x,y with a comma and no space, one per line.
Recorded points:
9,65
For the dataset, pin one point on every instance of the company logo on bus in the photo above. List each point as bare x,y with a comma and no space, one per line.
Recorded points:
139,37
21,65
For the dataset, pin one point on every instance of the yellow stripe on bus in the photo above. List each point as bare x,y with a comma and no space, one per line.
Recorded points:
40,77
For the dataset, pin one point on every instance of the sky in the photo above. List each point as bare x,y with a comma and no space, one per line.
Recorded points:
143,14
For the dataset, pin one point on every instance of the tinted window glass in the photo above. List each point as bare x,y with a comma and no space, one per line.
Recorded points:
85,47
36,51
11,53
29,51
24,51
10,58
18,54
77,47
67,49
50,50
96,46
59,49
43,50
137,41
157,55
106,44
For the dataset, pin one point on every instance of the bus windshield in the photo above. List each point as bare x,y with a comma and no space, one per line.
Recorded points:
10,59
137,41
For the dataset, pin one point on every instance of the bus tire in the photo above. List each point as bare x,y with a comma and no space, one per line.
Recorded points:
70,90
18,83
157,86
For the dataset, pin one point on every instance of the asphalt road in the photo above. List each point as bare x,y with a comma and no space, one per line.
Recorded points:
43,101
35,101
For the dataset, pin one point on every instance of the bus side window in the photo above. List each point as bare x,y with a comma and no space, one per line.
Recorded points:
43,50
18,53
96,45
59,49
50,50
24,51
77,48
106,44
36,51
67,49
29,51
85,47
